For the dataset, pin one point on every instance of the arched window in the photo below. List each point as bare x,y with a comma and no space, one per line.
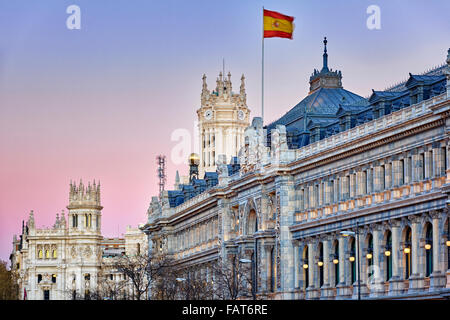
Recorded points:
252,224
352,259
47,254
305,268
387,254
54,254
320,264
53,278
369,256
428,249
336,263
407,253
40,255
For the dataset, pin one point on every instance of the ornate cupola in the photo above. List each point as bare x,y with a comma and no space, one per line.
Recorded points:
326,78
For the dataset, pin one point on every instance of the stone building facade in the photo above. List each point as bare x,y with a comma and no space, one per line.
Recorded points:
72,258
338,184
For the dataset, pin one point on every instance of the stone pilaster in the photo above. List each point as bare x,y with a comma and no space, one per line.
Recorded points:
286,193
416,280
396,282
376,283
343,288
437,278
326,292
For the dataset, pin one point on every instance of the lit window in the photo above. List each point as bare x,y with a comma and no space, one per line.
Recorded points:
47,254
54,254
40,254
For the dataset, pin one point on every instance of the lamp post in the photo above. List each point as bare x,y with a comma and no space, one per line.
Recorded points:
351,233
188,285
253,274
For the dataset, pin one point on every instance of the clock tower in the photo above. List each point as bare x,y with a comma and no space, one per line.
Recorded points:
222,119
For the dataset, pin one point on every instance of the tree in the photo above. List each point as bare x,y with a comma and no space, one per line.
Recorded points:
9,289
233,278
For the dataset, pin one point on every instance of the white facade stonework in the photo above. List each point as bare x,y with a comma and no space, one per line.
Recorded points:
387,180
72,257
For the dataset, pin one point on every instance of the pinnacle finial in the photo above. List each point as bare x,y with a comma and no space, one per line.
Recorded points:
325,56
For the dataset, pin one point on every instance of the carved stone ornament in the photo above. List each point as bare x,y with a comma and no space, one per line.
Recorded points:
73,252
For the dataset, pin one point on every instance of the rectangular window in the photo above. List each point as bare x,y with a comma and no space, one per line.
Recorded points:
46,294
364,182
422,163
402,172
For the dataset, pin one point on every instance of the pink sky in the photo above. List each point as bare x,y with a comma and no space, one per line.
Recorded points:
101,102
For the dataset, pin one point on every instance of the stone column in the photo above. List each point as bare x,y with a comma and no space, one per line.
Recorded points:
343,288
263,266
297,259
416,280
395,283
325,290
437,278
286,192
377,283
312,291
363,266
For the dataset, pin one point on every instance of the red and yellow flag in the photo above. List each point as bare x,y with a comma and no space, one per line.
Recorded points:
277,25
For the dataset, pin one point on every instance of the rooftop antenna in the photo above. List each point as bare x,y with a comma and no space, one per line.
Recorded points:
161,171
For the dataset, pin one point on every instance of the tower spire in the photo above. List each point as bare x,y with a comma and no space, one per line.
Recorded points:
325,56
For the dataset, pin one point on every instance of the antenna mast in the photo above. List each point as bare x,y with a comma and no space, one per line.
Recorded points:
161,171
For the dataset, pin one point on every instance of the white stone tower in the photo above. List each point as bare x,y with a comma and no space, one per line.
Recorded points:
84,209
222,117
84,245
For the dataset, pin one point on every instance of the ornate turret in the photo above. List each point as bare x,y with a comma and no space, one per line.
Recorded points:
82,195
326,78
84,208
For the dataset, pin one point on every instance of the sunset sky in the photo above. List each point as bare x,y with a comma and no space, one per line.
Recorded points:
101,102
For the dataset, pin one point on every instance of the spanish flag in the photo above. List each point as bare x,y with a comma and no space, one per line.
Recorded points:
277,25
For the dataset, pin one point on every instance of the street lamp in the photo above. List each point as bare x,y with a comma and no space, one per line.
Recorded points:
188,288
351,233
253,274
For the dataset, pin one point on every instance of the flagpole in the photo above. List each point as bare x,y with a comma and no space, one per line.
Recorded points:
262,72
